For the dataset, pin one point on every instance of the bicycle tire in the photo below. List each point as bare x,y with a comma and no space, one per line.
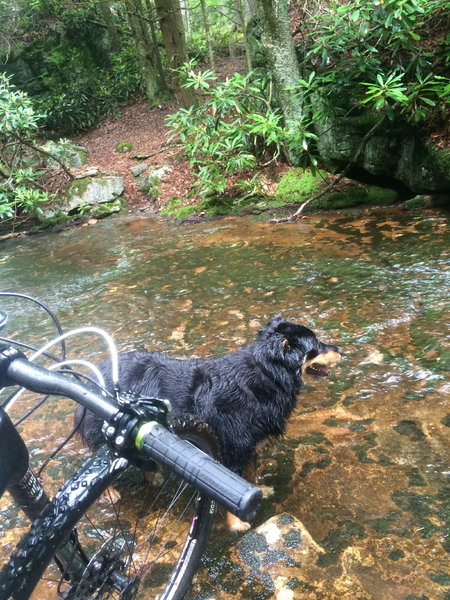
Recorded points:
51,531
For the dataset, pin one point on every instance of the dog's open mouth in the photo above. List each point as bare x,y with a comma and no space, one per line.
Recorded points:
318,370
319,365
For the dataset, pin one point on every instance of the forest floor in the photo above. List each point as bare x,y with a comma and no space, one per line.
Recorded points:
145,128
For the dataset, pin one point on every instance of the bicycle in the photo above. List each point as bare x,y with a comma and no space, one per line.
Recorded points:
158,556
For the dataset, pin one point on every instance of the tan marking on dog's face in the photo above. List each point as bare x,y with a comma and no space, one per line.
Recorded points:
328,359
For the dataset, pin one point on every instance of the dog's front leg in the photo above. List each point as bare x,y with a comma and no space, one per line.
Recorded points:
235,524
249,473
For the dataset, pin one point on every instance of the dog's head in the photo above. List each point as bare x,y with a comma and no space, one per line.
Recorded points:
298,347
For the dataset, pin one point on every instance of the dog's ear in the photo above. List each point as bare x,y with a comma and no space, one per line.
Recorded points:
279,341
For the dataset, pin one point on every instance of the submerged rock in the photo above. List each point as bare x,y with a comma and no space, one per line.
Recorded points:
280,560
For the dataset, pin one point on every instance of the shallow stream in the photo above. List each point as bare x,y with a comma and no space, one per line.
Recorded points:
364,464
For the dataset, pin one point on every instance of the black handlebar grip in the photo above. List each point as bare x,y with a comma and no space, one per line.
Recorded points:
211,477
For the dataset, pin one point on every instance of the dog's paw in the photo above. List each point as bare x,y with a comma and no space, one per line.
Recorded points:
235,524
267,490
154,478
110,495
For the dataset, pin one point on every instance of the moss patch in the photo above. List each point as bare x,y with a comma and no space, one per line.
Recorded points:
175,209
78,187
380,196
298,185
123,147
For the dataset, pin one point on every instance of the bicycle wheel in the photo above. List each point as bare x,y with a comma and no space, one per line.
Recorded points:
147,545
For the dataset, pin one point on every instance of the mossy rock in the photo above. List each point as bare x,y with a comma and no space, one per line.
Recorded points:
67,152
298,185
95,196
356,196
149,183
175,209
124,147
380,196
427,201
353,196
108,208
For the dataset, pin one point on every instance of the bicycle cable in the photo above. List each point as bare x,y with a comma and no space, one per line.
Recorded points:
113,353
47,310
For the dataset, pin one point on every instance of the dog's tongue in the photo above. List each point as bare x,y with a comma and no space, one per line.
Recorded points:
318,369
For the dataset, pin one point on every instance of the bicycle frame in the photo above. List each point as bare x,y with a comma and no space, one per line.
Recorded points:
15,473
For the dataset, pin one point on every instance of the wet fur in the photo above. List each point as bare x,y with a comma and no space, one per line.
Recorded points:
245,396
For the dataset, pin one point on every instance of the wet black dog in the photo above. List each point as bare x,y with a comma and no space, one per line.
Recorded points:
245,396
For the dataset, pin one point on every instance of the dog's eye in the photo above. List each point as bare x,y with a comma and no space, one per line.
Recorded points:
311,354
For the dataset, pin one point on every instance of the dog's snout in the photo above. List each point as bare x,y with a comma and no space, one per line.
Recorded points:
330,349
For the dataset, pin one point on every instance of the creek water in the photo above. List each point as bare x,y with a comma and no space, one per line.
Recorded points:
364,463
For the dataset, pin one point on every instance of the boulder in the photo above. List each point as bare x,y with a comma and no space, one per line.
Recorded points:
396,152
93,196
139,169
67,152
148,181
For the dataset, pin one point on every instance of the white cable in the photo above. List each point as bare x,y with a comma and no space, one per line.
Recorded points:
95,330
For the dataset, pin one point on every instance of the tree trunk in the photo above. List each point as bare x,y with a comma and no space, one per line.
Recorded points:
114,38
156,58
171,24
144,50
243,21
207,35
279,46
185,16
252,7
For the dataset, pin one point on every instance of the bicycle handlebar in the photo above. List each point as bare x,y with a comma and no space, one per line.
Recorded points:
155,441
214,479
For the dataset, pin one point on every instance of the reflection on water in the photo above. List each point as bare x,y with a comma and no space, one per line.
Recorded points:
364,464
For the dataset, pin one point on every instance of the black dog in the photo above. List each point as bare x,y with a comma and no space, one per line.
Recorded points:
245,396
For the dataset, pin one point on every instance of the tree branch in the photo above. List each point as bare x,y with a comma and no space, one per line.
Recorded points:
49,154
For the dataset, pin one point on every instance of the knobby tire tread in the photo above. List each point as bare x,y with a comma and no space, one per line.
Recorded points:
36,549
